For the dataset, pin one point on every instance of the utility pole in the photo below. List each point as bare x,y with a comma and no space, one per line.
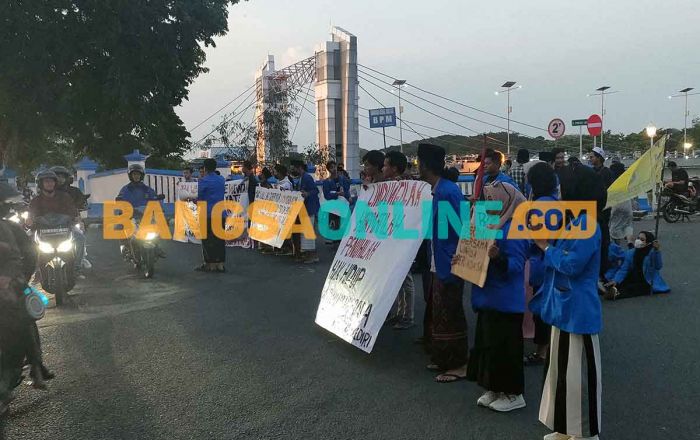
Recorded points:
507,87
684,93
602,92
398,84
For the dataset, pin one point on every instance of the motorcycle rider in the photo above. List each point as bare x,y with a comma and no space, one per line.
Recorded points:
137,194
49,200
19,336
65,180
679,179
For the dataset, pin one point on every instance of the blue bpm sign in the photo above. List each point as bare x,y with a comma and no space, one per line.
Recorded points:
382,117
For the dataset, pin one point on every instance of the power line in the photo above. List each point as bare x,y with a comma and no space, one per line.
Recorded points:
219,110
435,104
424,136
306,95
456,102
225,121
436,115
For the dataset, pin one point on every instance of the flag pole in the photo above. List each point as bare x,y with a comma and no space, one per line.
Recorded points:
660,185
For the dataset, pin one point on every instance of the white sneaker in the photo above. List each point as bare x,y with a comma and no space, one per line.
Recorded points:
557,436
487,398
508,402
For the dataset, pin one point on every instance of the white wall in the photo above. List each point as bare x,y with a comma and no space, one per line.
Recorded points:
106,187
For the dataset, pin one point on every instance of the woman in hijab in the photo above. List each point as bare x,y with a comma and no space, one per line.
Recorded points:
496,361
640,273
568,301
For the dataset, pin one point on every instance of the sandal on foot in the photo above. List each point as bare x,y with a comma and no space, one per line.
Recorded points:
452,378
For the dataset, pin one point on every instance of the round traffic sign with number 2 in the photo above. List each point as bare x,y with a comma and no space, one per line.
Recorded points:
556,128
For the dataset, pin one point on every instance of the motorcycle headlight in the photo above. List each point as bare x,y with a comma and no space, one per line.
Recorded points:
65,246
151,236
14,218
25,215
45,247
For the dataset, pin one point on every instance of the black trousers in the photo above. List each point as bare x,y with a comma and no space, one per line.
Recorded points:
213,248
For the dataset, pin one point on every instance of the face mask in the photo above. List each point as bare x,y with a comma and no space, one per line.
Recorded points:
639,244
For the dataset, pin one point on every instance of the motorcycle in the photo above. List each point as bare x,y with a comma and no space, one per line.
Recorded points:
680,207
142,249
54,239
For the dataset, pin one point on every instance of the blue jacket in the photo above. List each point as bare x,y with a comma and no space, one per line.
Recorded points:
568,298
444,249
504,289
651,267
137,194
536,257
311,201
330,185
616,256
211,189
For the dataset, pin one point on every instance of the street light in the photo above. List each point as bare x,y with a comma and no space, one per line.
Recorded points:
602,92
507,87
398,83
684,93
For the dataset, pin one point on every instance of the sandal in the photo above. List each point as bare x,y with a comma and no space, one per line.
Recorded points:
453,378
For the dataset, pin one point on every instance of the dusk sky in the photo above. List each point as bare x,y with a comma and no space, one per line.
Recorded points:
559,52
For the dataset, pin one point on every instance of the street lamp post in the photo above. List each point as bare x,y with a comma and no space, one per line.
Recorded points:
507,87
684,93
602,91
398,84
651,132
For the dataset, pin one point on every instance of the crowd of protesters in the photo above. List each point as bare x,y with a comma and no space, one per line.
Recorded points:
559,281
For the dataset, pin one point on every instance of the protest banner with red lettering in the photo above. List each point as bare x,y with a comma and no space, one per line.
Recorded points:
368,271
281,208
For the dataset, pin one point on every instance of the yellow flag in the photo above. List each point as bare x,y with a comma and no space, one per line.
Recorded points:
641,177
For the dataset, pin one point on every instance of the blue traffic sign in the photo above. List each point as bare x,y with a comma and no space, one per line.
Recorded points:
382,117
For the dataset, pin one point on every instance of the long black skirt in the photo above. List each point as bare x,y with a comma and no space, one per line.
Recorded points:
496,361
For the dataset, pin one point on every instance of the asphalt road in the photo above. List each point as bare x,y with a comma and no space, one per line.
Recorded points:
237,355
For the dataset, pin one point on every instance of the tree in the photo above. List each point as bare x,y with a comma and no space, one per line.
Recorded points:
102,76
319,156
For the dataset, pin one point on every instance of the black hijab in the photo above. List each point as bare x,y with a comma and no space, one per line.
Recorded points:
641,253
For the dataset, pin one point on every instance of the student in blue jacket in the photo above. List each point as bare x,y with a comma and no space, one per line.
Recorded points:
640,273
543,185
568,301
496,361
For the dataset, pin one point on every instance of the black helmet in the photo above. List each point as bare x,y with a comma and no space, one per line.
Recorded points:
46,174
136,168
7,193
64,172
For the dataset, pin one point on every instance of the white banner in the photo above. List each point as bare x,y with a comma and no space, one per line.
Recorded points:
236,190
283,201
367,273
187,191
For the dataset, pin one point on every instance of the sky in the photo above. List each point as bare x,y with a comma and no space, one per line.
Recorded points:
559,51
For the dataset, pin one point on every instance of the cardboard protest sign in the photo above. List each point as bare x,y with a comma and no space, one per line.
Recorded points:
281,208
368,270
471,262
